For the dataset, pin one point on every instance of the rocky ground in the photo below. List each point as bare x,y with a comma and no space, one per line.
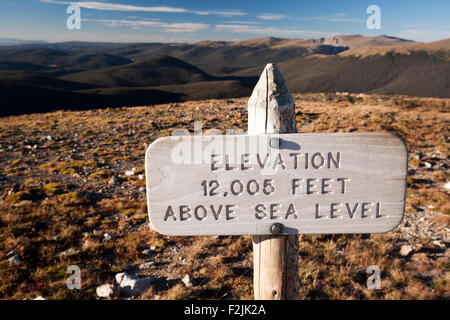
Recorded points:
72,192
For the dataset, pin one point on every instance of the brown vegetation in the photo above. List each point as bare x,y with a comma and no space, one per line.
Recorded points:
63,186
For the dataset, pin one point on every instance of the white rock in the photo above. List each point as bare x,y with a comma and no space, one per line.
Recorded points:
146,265
69,252
105,291
107,236
406,250
131,286
427,164
447,186
129,173
15,260
113,181
187,281
141,177
12,253
39,298
439,244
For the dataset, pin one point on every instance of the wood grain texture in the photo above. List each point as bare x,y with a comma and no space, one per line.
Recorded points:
275,258
374,166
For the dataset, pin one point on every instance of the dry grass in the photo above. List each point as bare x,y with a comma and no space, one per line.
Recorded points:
55,195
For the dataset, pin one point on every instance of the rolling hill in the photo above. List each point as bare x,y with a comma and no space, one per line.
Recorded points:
46,76
163,70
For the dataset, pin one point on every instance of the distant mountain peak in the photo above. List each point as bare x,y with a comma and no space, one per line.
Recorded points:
358,41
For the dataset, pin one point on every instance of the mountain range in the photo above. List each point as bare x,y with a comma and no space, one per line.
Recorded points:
40,76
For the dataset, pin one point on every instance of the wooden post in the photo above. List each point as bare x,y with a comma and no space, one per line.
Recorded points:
271,109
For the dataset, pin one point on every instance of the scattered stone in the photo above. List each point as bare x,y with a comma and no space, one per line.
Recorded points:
131,286
406,249
447,186
39,298
113,181
129,173
427,164
107,236
12,253
155,125
439,244
141,177
106,291
15,260
146,265
69,252
187,281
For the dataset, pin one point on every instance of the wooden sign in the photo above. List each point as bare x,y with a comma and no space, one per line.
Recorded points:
276,184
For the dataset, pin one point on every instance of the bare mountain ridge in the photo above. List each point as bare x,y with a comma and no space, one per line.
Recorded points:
441,45
86,75
350,41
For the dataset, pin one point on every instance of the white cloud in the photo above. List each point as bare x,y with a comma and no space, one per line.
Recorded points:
169,27
338,18
423,34
270,31
96,5
268,16
242,22
116,37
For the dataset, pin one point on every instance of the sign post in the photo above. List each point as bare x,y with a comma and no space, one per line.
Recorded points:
271,109
274,184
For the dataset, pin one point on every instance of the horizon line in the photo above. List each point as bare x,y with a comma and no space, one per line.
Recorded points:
215,40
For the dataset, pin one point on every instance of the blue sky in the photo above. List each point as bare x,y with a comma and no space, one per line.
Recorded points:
190,21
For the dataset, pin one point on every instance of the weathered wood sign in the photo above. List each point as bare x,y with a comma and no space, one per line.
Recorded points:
276,184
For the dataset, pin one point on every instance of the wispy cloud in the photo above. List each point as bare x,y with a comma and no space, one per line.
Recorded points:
269,31
423,34
268,16
106,6
242,22
337,17
168,27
